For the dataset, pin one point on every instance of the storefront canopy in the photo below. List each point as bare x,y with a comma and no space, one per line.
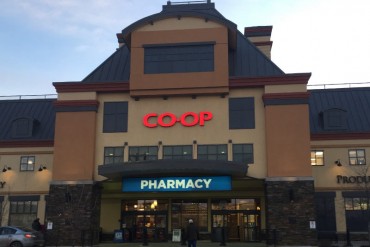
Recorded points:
160,168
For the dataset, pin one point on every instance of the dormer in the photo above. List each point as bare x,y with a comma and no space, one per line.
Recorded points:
334,119
23,127
181,50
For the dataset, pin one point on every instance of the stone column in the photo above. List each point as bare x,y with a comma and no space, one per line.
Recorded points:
289,209
74,211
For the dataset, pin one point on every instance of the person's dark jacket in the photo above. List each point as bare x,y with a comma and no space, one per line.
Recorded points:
36,225
191,232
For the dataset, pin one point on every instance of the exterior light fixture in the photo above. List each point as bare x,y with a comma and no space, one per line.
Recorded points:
41,168
6,168
337,162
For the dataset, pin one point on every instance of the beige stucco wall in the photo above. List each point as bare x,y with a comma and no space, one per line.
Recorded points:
23,183
215,131
325,176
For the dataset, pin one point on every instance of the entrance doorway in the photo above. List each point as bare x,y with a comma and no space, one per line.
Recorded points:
236,219
144,215
238,225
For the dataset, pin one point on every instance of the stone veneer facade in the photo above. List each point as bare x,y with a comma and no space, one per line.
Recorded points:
289,209
74,210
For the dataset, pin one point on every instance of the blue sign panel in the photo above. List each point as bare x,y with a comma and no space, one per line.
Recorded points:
176,184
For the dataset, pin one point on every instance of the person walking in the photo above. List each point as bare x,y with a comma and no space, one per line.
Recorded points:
36,225
192,234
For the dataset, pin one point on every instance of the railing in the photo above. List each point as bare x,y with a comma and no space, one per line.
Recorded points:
31,96
339,85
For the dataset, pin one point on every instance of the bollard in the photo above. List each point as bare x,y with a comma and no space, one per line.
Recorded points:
183,238
348,236
145,236
223,242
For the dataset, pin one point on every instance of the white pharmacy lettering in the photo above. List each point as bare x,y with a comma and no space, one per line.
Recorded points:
175,184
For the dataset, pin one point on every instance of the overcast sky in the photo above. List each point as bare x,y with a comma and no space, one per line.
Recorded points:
46,41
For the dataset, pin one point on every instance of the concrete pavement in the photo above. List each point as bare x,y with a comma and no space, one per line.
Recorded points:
200,243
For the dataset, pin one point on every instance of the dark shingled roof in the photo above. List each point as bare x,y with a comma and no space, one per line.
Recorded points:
41,111
355,102
245,59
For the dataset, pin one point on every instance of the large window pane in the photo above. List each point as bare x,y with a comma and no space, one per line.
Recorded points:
212,152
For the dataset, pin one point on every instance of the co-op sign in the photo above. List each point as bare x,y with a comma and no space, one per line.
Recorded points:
168,119
212,183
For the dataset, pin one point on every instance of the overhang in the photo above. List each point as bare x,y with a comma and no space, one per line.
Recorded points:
162,168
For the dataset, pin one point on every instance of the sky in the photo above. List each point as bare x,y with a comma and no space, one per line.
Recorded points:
46,41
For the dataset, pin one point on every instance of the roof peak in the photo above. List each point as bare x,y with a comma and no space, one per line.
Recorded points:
188,5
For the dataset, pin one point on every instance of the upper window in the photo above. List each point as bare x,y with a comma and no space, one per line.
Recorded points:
143,153
317,158
357,157
113,155
27,163
22,127
178,152
243,153
179,58
335,119
241,113
212,152
115,117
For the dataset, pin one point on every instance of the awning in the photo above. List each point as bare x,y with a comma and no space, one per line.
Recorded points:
162,168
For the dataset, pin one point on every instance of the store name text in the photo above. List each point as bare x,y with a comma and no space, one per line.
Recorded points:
175,184
352,179
168,119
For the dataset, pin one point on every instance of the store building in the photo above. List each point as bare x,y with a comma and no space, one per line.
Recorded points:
188,118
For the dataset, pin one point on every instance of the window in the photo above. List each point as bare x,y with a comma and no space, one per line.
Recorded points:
22,213
317,158
243,153
113,155
241,113
357,157
115,117
334,119
212,152
185,209
143,153
27,163
178,58
356,203
22,127
178,152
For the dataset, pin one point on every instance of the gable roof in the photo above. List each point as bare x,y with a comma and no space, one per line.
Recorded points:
41,111
354,102
245,59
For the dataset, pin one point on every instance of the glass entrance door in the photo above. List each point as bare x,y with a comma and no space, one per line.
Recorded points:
238,225
140,216
251,228
135,224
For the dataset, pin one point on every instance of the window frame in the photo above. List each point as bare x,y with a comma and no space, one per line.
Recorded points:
189,57
315,158
27,166
217,154
243,145
115,117
242,113
181,156
114,156
356,157
140,156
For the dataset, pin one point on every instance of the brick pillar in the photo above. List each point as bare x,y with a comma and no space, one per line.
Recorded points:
289,209
74,210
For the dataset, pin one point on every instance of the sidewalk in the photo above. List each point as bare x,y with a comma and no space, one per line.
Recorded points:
201,243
